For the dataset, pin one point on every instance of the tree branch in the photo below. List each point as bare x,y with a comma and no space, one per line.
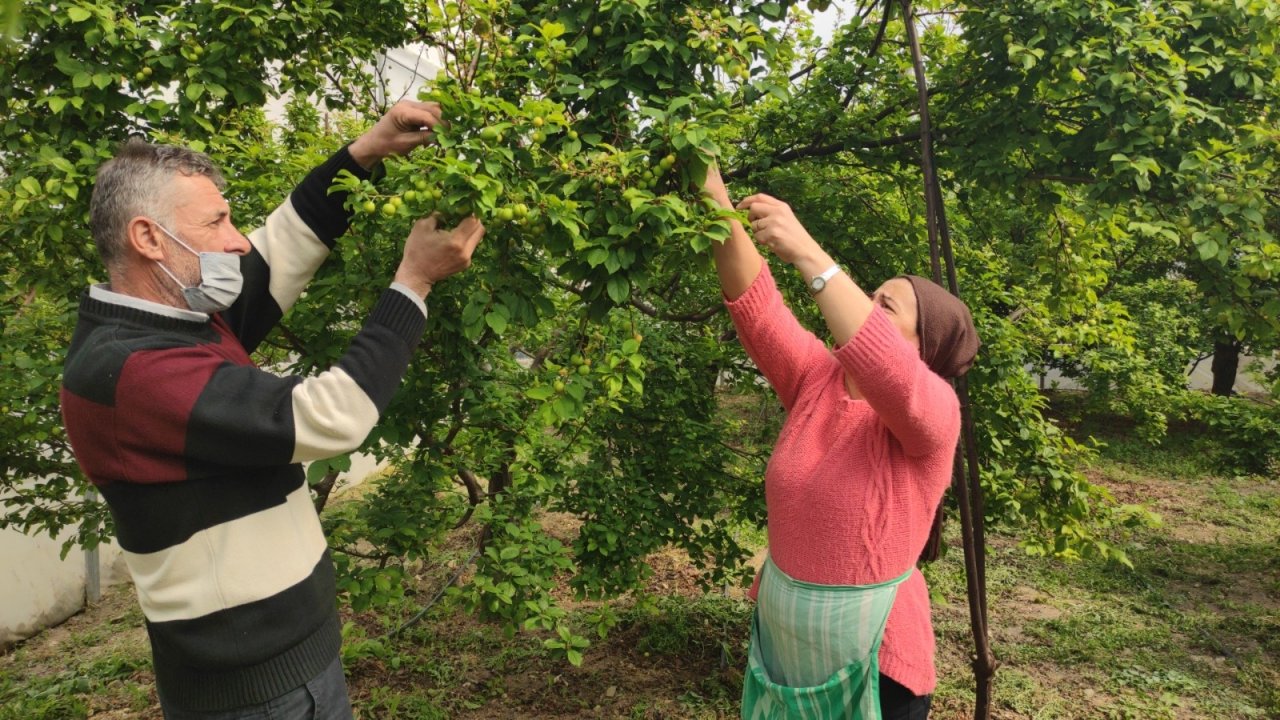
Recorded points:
855,144
871,52
648,308
474,495
1069,179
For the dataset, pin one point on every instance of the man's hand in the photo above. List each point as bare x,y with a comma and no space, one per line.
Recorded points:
432,254
407,125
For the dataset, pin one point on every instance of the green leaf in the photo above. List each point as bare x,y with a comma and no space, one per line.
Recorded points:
597,256
78,14
619,289
1208,249
497,321
540,392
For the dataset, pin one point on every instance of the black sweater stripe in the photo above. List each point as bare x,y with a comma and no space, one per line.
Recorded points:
256,407
255,313
238,662
393,319
150,518
114,332
320,209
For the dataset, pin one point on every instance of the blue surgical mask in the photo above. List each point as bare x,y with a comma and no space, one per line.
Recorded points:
220,279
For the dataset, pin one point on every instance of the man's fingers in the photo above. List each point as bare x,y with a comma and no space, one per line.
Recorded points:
474,231
429,223
432,116
413,116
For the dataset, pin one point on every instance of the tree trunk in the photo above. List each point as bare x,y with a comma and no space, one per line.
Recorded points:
1226,361
323,488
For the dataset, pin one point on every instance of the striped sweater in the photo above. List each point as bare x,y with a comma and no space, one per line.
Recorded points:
851,485
197,453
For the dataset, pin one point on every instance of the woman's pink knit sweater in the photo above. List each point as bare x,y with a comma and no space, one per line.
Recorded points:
852,484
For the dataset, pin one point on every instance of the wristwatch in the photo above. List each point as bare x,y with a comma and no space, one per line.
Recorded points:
818,282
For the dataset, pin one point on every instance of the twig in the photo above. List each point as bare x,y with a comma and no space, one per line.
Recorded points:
419,615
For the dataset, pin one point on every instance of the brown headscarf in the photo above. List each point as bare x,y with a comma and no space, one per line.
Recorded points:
948,339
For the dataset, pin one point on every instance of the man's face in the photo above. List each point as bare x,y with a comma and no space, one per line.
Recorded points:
202,219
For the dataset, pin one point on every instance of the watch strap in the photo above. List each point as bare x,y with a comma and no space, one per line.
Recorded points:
819,281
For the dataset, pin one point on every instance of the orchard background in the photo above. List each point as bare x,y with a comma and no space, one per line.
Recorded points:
1109,171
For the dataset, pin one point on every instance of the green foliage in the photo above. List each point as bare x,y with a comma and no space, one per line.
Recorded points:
1112,209
684,627
387,703
32,338
584,169
1241,435
67,694
1170,122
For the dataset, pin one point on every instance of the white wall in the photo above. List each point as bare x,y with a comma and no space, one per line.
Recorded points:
398,74
38,590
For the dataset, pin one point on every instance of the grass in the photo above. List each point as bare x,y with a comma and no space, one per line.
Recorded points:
1191,631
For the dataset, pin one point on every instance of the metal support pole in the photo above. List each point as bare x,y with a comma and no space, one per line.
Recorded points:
968,489
92,569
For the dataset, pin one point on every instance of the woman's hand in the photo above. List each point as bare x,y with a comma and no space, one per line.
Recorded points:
737,260
714,187
775,226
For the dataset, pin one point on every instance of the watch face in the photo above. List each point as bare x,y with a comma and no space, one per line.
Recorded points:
817,283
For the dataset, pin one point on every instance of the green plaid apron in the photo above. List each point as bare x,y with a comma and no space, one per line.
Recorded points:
815,649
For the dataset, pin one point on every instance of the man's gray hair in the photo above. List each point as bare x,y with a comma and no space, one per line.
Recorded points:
137,181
